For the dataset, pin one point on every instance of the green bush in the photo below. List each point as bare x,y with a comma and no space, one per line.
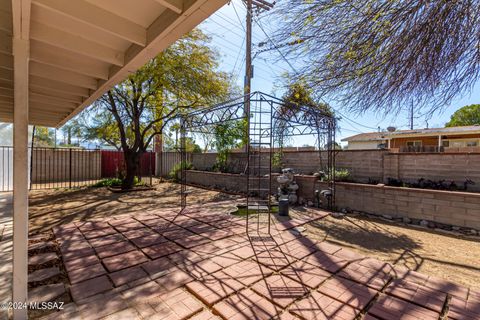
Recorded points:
109,182
116,182
342,175
176,170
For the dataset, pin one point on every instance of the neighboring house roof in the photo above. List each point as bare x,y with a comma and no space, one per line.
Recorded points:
369,136
374,136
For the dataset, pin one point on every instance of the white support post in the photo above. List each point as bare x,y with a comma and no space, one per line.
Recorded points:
439,142
21,52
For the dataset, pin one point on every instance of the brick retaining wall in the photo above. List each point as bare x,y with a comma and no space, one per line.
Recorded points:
455,208
376,165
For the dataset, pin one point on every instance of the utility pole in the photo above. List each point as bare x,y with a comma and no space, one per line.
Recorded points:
259,6
248,58
411,116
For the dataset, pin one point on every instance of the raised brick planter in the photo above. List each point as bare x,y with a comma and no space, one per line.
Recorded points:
447,207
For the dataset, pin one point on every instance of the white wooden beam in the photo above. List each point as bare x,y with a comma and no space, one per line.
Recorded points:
6,92
65,76
51,102
41,82
98,18
5,42
55,94
5,100
174,5
47,108
6,74
67,41
78,28
6,21
66,60
6,84
166,29
6,61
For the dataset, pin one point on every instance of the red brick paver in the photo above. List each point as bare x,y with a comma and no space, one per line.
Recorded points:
176,304
388,307
306,273
247,272
374,278
213,288
161,250
280,290
123,261
418,294
325,261
246,305
464,309
348,292
114,249
90,287
92,271
318,306
199,264
127,275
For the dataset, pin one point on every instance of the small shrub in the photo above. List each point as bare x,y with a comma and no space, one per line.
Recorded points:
109,182
423,183
117,182
342,175
277,160
177,169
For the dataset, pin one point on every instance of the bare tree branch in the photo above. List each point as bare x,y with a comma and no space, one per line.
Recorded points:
381,55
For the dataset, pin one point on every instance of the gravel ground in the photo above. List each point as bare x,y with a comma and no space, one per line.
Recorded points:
446,256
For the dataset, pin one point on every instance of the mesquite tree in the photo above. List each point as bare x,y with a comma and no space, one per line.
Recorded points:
380,55
133,112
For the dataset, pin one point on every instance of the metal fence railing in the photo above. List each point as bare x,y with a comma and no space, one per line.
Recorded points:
52,168
6,168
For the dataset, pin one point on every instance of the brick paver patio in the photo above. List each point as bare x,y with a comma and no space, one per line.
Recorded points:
201,264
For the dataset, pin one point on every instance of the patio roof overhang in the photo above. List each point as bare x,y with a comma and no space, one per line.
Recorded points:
57,57
78,49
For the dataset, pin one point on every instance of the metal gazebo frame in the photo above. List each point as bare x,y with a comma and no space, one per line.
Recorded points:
269,122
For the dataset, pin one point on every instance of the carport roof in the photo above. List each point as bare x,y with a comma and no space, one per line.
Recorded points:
81,48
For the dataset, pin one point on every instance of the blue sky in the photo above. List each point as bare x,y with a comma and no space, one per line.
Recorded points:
226,27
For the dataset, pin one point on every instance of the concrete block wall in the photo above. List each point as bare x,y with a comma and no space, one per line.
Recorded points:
455,208
448,207
372,165
456,167
218,180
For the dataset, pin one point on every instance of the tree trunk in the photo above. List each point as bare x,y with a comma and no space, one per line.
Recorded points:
132,167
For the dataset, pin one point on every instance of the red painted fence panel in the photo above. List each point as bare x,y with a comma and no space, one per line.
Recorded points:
113,163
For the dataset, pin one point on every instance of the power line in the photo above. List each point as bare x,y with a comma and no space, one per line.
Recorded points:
238,17
353,121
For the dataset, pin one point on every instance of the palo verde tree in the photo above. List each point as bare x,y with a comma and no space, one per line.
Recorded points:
465,116
133,112
381,55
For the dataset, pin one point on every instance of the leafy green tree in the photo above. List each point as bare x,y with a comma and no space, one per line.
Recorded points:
300,95
71,130
44,137
381,55
465,116
132,113
228,135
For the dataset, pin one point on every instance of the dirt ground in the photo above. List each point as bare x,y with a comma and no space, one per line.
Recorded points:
449,257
